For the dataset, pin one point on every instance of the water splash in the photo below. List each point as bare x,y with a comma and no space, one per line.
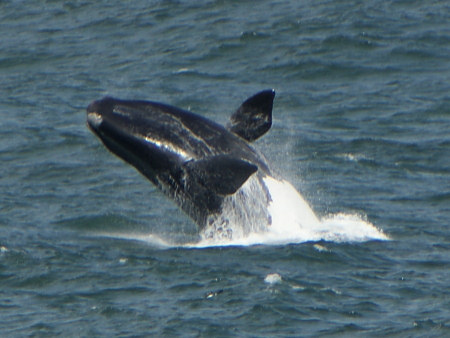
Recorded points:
243,213
293,221
273,278
278,215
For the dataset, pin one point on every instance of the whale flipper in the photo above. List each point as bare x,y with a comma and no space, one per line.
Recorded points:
254,117
222,174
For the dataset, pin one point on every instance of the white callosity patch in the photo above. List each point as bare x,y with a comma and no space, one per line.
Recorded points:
169,147
94,119
121,112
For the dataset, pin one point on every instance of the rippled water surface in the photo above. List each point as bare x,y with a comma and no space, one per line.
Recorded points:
88,247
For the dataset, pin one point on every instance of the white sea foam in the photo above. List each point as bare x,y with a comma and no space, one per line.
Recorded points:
293,221
245,222
273,278
152,239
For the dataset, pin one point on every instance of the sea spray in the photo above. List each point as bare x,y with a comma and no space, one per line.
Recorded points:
281,217
269,211
243,213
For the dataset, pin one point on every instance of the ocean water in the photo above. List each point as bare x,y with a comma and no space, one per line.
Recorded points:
88,247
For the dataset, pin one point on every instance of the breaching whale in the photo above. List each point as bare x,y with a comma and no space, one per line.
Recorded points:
198,163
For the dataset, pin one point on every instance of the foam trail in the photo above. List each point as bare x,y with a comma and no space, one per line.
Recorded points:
152,239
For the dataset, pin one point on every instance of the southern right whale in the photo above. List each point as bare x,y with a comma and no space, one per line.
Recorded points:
198,163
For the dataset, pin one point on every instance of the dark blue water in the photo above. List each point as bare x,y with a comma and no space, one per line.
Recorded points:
88,247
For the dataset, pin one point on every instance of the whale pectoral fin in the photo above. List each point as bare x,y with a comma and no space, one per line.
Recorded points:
221,174
254,117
